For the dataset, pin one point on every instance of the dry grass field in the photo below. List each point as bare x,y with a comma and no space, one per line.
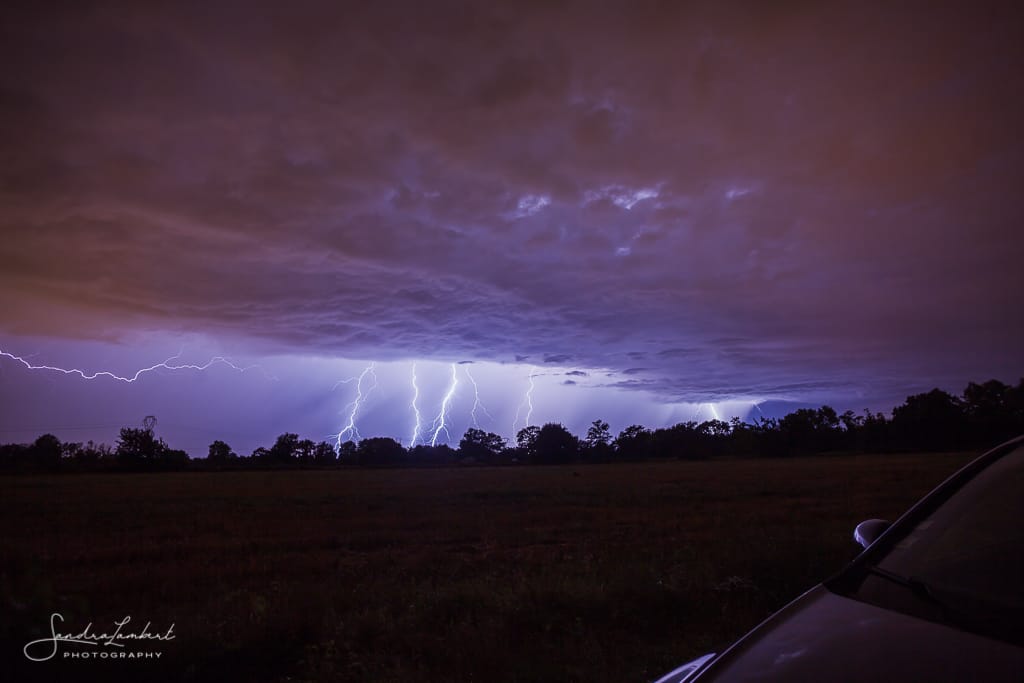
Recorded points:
595,573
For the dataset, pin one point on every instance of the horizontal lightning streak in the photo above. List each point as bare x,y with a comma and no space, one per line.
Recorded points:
165,365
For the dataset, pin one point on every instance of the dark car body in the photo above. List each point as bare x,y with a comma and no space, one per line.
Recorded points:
936,596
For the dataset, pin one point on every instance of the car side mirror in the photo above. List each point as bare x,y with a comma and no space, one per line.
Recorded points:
868,531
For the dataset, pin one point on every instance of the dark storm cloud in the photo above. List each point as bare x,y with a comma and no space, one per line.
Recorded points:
758,198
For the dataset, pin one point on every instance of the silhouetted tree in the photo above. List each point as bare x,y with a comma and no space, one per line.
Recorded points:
46,452
851,421
173,459
741,437
712,438
714,428
88,455
347,453
380,450
425,454
140,448
807,430
304,451
678,441
555,444
285,448
768,437
135,444
526,442
931,421
991,411
324,454
874,433
102,450
598,441
633,442
13,456
70,450
480,445
220,452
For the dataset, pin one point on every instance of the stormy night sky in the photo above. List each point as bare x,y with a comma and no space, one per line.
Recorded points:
650,212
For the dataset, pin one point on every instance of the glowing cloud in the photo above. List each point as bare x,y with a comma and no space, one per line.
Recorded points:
622,197
531,204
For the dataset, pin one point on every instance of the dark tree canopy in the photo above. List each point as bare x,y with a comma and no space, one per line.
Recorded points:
220,452
555,444
934,421
633,442
480,445
285,448
324,454
139,443
380,450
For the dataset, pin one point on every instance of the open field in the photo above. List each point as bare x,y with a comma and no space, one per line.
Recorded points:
611,572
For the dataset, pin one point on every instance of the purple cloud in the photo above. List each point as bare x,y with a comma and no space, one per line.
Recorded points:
748,201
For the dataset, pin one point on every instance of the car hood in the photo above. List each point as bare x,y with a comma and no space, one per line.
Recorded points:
824,636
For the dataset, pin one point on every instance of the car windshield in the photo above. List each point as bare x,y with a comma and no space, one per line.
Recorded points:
964,564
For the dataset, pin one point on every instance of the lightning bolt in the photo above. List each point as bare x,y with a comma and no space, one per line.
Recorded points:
415,409
527,401
440,421
356,404
711,409
165,365
477,404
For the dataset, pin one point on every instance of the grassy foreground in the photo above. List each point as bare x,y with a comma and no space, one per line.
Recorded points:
596,573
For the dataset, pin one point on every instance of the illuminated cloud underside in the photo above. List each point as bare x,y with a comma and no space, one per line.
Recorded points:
694,204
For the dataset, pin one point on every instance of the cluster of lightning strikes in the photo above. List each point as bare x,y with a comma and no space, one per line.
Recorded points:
477,404
128,379
440,422
527,403
365,383
350,431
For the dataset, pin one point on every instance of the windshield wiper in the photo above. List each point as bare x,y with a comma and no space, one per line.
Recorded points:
1004,625
919,587
925,592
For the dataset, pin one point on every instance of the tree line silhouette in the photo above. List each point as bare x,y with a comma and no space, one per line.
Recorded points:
984,415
